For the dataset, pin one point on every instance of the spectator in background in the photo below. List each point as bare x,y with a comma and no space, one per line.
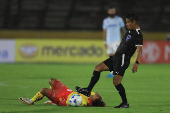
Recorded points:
112,26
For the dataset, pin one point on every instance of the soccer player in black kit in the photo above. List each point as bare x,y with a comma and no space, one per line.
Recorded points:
119,62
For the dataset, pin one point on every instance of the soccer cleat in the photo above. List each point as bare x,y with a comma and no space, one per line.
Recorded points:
83,91
49,102
122,105
26,101
110,76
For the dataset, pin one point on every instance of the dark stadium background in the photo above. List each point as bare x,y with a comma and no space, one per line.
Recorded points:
80,14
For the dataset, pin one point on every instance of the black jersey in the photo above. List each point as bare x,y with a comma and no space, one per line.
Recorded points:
129,42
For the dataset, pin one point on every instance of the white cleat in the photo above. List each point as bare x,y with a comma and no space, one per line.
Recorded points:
25,101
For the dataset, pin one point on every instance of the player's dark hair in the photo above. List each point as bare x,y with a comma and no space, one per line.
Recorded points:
133,17
99,103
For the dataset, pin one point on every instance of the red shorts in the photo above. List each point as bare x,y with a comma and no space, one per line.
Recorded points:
59,93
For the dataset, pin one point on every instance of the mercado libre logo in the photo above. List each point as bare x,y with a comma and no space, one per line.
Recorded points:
28,51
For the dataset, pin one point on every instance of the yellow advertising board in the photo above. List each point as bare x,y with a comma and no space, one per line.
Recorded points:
57,50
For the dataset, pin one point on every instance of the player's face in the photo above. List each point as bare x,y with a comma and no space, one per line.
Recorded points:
130,25
112,11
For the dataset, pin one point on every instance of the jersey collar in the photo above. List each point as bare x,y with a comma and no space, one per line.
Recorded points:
137,30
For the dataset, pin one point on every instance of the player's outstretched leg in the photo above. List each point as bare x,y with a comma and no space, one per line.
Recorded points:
38,96
87,91
94,79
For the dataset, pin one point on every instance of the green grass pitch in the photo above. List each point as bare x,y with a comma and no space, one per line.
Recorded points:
148,90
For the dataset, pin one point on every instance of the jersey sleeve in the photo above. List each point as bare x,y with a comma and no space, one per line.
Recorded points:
104,24
138,39
121,23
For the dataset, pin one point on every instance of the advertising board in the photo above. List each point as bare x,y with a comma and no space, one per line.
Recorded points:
7,51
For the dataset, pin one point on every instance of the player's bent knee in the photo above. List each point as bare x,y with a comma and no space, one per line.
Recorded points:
51,81
97,68
101,67
116,82
44,91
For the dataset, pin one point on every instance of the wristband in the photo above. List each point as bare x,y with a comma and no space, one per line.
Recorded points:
137,62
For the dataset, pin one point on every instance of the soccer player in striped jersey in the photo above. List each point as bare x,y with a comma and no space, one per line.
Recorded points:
59,94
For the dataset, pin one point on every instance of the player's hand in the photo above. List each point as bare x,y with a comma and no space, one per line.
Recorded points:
134,68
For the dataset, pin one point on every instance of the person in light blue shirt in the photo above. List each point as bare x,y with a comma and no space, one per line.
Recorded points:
113,25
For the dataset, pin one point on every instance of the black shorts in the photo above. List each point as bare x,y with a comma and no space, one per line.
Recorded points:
118,63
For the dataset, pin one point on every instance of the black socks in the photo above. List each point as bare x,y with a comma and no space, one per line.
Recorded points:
122,93
94,79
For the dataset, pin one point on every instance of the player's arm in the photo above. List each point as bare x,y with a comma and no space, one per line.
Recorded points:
139,55
104,37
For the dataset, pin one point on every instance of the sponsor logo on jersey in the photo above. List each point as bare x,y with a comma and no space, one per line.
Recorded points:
112,25
128,37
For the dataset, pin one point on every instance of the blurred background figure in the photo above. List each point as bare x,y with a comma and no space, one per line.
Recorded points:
112,26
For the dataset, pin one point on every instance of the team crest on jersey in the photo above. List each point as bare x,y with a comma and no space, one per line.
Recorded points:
128,37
